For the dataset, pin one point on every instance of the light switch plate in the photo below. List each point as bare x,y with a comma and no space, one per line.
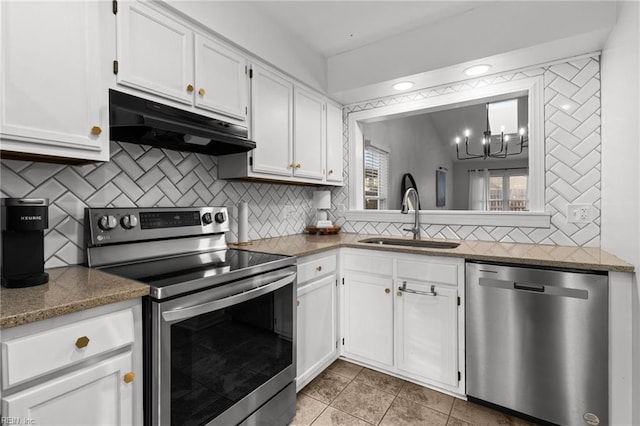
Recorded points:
579,213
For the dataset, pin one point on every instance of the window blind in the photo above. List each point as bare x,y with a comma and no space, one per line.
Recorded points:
376,178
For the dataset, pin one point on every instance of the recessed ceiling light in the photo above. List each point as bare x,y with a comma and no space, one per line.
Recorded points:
403,85
477,69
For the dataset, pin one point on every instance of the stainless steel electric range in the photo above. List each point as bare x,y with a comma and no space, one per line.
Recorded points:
219,324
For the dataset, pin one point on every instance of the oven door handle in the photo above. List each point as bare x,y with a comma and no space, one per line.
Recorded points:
193,311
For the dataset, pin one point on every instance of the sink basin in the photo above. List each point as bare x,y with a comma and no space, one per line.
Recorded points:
411,243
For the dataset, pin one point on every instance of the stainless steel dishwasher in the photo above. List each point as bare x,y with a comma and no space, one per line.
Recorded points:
537,342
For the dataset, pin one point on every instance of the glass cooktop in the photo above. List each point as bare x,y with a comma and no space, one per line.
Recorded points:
170,276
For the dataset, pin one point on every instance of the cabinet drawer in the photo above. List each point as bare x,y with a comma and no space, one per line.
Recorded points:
316,268
368,263
432,272
32,356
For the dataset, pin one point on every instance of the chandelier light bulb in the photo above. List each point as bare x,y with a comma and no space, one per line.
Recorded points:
506,138
467,133
501,129
484,141
522,131
457,140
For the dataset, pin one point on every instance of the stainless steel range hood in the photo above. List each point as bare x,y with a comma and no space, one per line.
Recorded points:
137,120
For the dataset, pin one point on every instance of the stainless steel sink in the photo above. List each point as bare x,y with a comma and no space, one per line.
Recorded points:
411,243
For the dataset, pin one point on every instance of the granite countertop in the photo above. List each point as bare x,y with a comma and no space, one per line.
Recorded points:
70,289
586,258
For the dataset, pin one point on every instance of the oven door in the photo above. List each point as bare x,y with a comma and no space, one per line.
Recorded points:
218,355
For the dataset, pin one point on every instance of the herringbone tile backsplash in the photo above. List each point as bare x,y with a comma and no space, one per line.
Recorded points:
143,176
572,157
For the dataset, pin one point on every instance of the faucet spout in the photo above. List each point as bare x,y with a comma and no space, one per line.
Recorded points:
411,192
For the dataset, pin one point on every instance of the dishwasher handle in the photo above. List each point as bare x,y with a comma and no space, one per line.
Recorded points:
529,287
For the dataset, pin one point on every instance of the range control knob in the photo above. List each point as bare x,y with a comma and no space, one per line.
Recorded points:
106,223
129,221
207,219
220,218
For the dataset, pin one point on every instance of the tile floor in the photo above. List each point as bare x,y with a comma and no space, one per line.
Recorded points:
347,394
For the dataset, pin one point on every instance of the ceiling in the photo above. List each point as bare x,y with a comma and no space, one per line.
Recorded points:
334,27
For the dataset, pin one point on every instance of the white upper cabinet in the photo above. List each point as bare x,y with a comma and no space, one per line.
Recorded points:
221,80
54,78
271,119
334,144
155,53
308,135
164,56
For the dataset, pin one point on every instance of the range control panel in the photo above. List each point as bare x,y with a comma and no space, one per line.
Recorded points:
119,225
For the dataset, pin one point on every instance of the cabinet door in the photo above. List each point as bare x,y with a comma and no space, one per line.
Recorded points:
221,80
271,113
155,53
427,329
316,324
308,135
334,143
53,96
96,395
368,322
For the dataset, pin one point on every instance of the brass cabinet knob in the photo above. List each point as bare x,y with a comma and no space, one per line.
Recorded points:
82,342
96,130
387,290
331,171
201,92
128,378
298,165
319,268
189,88
399,293
292,165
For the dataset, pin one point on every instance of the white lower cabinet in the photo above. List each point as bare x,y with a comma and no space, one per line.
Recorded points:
83,368
96,395
368,320
316,343
401,314
427,330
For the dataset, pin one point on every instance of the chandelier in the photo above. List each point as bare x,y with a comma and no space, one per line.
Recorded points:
510,141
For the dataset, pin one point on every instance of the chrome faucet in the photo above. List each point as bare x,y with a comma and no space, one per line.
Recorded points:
405,210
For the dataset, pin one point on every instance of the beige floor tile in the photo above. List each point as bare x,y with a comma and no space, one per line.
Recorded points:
380,380
408,413
307,410
363,401
428,397
482,416
344,368
457,422
333,417
325,387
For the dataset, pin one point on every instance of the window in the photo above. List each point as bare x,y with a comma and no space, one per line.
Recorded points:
376,178
508,190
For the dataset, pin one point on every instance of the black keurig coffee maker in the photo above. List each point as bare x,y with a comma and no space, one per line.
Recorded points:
23,223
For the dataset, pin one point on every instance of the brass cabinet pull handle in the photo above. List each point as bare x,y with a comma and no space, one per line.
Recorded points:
96,130
189,88
331,171
387,290
292,165
82,342
201,92
128,378
319,268
298,165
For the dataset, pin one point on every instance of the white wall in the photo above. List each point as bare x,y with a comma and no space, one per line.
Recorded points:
621,157
414,147
257,33
478,33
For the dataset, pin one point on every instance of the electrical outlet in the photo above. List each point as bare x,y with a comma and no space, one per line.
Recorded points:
579,213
